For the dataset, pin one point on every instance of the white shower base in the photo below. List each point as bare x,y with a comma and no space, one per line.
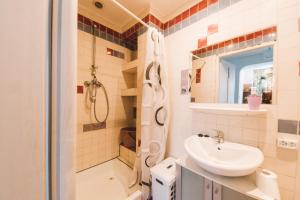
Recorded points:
108,181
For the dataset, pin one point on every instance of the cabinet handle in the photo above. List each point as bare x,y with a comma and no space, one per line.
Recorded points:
216,191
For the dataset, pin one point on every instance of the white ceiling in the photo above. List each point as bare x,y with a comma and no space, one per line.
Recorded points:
112,16
260,55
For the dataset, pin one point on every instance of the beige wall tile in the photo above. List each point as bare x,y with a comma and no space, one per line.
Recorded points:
98,146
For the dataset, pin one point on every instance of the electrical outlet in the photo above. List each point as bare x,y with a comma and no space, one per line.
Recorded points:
287,143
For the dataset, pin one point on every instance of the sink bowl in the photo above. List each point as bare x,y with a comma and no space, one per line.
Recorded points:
226,159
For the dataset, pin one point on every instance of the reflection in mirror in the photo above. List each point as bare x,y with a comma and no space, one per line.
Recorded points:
242,74
231,78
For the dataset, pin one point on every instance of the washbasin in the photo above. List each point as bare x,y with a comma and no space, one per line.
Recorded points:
226,159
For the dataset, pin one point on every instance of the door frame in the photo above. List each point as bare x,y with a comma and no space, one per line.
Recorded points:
63,117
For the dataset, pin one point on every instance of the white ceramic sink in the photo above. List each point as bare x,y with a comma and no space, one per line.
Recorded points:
226,159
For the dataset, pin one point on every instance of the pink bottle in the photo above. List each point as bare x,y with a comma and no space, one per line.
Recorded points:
254,101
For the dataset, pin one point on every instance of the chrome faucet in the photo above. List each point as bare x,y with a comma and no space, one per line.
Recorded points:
219,137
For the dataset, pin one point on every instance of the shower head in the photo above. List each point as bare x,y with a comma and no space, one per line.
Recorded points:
98,4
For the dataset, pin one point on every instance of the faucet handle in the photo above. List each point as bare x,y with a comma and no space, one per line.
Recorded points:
220,136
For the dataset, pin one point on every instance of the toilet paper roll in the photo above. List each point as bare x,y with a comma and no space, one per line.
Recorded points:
266,182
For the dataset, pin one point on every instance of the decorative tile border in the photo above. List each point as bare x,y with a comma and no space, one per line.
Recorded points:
240,42
195,13
129,37
126,39
93,126
85,24
115,53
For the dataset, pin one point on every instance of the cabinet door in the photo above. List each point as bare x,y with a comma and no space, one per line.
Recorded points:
194,187
224,193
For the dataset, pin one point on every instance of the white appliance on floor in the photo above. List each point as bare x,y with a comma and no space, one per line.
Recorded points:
163,180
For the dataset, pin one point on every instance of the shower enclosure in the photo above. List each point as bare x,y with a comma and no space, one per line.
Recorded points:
110,150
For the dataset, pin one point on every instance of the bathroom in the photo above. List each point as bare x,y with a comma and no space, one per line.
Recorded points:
228,75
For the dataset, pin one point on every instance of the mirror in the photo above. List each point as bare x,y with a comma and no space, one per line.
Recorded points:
230,78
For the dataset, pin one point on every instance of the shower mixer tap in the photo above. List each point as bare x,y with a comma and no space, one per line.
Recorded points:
93,70
93,82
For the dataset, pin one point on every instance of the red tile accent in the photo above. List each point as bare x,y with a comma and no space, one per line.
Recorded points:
166,25
185,14
258,34
171,22
146,19
267,31
209,2
198,75
250,36
102,28
209,48
228,42
202,5
87,21
221,44
177,19
79,89
242,38
151,18
109,51
202,42
202,49
161,26
110,31
213,28
235,40
80,18
194,9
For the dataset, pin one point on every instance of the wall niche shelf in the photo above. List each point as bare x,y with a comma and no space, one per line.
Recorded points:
226,109
129,92
130,68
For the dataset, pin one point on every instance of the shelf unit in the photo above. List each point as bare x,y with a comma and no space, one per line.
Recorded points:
227,109
130,95
130,67
133,72
131,92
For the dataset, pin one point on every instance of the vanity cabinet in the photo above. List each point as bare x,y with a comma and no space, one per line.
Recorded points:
192,186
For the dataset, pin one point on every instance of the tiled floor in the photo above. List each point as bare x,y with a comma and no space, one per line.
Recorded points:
108,181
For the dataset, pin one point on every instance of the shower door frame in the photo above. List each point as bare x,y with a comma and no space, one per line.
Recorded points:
62,100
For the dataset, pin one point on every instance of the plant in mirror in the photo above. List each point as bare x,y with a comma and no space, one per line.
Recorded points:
232,77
